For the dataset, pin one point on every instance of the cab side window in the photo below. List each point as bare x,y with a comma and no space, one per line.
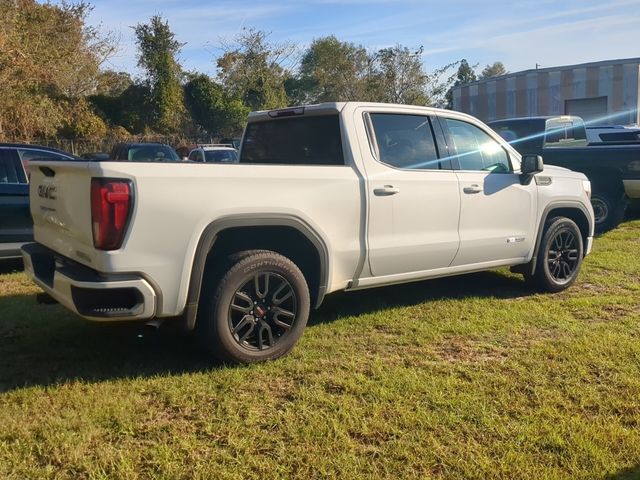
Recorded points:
29,155
193,156
11,170
475,149
405,141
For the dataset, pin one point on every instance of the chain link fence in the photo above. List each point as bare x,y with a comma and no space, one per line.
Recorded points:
80,146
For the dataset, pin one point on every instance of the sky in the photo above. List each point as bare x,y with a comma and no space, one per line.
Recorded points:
520,34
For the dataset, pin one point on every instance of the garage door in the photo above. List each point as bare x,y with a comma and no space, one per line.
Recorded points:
590,109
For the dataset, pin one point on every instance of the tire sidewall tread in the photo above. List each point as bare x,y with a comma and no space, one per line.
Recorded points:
214,332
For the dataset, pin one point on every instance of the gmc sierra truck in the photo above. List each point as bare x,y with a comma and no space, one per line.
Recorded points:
612,167
329,197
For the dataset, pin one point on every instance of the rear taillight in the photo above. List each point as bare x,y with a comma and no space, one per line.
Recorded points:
111,201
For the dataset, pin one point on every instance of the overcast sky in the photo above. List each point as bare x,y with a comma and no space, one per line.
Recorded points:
518,33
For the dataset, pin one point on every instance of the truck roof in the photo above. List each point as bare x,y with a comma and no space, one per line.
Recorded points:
328,108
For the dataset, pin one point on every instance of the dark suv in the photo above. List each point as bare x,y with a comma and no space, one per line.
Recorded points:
16,226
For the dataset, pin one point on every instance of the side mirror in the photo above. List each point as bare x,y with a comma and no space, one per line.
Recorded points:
529,166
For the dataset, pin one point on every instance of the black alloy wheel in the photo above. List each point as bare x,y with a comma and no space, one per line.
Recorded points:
262,311
254,309
563,255
559,256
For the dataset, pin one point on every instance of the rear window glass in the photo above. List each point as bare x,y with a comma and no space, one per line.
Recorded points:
149,153
220,156
294,141
565,133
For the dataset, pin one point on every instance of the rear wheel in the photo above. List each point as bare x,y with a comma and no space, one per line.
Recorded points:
258,309
559,256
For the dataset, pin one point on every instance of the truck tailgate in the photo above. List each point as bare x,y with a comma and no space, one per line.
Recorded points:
60,196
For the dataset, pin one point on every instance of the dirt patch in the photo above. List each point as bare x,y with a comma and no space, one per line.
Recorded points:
469,350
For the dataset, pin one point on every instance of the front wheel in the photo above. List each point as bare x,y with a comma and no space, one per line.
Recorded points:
608,209
559,256
258,310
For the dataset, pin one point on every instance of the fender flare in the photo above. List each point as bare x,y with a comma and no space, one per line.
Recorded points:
531,266
208,239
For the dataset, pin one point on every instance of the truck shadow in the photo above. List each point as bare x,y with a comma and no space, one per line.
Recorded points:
632,473
481,284
42,345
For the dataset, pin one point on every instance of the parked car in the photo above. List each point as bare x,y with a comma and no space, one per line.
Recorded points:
613,169
16,227
96,156
214,153
144,152
329,197
232,141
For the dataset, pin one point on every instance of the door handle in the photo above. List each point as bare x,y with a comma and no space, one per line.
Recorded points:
475,188
386,190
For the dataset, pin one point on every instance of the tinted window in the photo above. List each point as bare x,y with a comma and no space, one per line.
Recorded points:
193,156
226,156
405,141
27,155
152,153
475,149
11,170
525,136
294,141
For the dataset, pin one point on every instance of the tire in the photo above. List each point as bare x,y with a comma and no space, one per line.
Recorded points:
608,208
559,256
256,311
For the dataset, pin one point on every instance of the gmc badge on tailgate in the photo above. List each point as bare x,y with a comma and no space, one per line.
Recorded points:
47,191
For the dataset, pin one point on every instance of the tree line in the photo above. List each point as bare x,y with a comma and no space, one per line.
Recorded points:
53,80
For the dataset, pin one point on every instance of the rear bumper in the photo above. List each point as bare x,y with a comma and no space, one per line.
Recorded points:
632,188
90,294
10,250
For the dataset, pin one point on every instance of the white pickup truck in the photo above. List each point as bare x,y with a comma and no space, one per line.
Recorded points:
337,196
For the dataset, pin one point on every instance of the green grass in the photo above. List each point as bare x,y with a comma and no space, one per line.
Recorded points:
467,377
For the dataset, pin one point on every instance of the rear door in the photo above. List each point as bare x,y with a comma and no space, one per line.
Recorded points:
497,213
414,200
15,221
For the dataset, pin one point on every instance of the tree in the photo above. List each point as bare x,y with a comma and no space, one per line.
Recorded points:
494,70
109,82
398,76
49,60
158,57
465,74
252,70
210,108
332,71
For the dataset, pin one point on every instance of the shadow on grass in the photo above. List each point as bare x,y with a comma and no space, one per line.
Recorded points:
632,473
482,284
11,265
44,345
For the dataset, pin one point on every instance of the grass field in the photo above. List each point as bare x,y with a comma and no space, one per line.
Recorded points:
469,378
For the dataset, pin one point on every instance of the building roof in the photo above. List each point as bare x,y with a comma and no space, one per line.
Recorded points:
603,63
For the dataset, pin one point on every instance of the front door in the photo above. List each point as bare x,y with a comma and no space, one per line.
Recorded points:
497,212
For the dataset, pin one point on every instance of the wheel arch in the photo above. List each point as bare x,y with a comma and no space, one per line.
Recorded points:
245,232
573,210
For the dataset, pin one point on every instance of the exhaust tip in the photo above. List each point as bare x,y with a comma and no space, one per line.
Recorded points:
150,328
